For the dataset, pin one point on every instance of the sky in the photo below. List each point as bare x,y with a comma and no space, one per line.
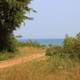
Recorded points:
54,19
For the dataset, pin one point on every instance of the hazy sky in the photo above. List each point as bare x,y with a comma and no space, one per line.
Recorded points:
54,19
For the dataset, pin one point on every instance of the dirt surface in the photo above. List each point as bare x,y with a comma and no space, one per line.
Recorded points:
9,63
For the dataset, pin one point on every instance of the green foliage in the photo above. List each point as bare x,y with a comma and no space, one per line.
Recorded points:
68,44
29,43
53,50
12,14
57,62
6,55
64,57
77,43
70,48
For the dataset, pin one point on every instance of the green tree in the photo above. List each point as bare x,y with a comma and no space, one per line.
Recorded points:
77,43
72,45
12,14
69,44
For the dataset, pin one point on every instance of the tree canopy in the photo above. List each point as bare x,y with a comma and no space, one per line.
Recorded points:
12,14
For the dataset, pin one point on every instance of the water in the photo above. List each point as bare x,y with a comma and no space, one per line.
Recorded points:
44,41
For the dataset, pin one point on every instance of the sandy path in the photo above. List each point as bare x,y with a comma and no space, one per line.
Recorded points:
9,63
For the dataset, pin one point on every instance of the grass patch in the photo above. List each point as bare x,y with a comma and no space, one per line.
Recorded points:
59,64
41,70
6,56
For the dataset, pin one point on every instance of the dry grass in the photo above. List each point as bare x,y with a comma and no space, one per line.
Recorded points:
21,52
29,50
39,70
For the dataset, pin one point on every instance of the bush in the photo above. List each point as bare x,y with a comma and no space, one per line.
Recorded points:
68,44
70,48
54,50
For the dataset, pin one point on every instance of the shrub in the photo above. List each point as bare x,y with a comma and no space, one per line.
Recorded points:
68,44
54,50
70,48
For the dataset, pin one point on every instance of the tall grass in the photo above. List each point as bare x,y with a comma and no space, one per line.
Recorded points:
40,70
55,67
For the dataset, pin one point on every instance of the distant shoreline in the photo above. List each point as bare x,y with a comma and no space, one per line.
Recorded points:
43,41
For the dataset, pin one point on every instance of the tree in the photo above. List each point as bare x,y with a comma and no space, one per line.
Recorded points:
72,46
77,43
69,44
12,14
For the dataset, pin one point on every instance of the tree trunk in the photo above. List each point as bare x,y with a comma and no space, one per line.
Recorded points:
5,41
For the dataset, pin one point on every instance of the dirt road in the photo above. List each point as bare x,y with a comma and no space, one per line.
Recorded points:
9,63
